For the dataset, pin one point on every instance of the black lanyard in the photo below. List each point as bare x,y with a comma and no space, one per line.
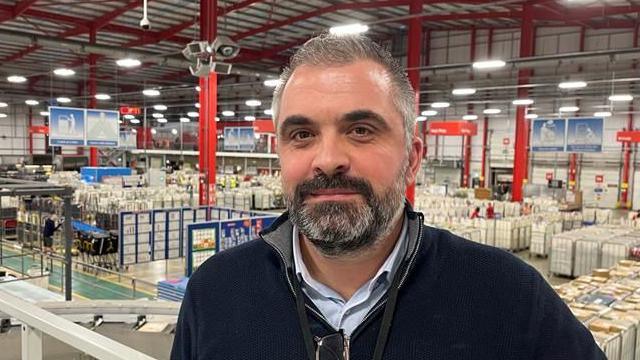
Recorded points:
385,327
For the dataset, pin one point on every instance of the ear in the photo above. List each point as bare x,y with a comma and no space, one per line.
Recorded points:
415,158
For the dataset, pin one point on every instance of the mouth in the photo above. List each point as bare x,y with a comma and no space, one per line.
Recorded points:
332,195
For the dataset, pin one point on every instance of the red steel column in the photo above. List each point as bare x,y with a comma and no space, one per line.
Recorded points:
208,108
468,139
626,146
485,127
573,163
413,61
426,49
93,70
520,159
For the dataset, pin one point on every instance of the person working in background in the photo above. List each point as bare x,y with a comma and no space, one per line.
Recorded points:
476,213
490,213
50,228
351,271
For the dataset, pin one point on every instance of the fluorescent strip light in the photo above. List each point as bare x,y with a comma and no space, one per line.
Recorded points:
463,91
489,64
492,111
228,113
128,62
31,102
161,120
351,29
64,72
157,115
470,117
129,117
602,114
3,104
44,113
623,97
572,85
429,113
193,114
103,96
17,79
531,116
63,100
185,120
249,118
135,121
253,102
268,112
421,118
151,92
522,102
569,109
160,107
440,105
271,83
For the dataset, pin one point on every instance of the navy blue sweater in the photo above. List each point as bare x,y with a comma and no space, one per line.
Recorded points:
459,300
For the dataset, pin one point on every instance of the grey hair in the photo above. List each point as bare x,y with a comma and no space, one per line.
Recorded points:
328,49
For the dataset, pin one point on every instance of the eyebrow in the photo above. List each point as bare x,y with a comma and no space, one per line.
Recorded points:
292,121
363,114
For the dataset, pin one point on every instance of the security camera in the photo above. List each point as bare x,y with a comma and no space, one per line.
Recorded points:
202,68
221,68
145,24
225,48
197,50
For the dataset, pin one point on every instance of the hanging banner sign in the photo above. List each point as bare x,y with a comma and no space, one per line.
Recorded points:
548,135
103,128
453,128
39,129
628,136
66,126
585,134
130,110
239,139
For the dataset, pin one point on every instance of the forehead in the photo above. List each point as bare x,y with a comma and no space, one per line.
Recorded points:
322,88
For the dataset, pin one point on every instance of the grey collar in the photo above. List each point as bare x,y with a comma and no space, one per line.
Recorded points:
279,235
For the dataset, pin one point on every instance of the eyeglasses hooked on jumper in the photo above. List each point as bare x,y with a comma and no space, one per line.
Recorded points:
332,347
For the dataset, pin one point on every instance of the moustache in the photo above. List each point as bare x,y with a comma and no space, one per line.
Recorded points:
324,182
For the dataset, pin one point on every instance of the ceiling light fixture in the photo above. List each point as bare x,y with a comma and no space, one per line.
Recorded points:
519,102
572,85
63,100
161,120
602,114
429,113
531,116
421,118
440,105
193,114
268,112
103,96
160,107
228,113
3,104
491,111
488,64
621,97
569,109
271,83
185,120
129,117
350,29
2,115
250,118
463,91
128,62
135,121
151,92
17,79
470,117
64,72
197,105
253,103
134,131
157,115
31,102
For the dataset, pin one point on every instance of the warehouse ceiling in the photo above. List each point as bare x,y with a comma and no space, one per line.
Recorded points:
39,36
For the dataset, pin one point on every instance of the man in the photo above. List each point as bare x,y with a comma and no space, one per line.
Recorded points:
49,229
350,271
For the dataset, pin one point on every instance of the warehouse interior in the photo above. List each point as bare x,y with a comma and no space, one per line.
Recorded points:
147,157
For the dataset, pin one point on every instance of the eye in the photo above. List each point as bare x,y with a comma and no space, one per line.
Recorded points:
361,131
301,135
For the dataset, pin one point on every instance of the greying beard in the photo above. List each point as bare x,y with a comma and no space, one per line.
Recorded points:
341,228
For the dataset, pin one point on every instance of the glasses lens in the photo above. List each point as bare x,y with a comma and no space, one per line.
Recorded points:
331,347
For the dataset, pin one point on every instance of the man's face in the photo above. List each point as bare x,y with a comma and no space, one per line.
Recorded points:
343,155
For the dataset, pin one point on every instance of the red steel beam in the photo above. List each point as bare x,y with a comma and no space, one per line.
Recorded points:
93,72
520,159
573,157
413,61
208,108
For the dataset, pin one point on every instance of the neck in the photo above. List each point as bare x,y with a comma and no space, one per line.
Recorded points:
347,274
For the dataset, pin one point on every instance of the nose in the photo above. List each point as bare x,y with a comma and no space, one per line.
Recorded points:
332,157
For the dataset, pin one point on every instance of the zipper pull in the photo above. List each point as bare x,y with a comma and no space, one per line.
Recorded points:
346,347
